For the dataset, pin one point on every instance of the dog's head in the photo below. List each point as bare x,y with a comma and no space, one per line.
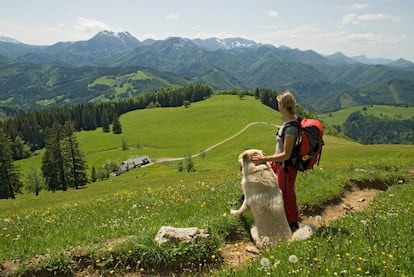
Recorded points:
246,155
245,159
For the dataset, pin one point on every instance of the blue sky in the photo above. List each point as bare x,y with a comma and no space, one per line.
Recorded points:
375,28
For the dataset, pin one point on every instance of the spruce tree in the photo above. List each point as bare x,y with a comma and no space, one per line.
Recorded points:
9,175
116,125
105,121
53,165
74,163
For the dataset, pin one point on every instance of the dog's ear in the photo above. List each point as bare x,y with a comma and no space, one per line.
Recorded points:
246,156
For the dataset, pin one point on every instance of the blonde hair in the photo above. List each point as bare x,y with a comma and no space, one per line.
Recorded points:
287,100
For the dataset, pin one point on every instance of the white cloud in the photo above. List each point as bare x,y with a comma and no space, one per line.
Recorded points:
358,6
272,13
378,16
353,18
172,16
365,37
89,25
349,18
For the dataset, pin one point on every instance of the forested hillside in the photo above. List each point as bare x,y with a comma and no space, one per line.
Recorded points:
73,73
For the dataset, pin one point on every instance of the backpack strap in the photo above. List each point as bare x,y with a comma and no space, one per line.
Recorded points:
295,123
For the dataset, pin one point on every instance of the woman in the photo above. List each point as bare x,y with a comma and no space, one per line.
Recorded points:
284,170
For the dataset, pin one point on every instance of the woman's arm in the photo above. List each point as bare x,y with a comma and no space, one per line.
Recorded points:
288,145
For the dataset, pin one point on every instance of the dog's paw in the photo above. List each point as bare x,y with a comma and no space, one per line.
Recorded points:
234,212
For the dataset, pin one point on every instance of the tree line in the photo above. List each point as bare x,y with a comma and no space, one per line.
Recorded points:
27,131
63,165
369,129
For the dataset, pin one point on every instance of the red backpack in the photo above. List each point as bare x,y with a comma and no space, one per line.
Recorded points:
308,147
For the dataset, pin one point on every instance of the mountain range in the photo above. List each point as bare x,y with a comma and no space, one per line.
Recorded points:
62,73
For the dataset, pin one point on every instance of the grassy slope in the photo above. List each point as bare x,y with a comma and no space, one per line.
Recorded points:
393,112
172,132
104,210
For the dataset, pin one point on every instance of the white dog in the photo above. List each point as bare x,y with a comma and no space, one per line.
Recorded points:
263,197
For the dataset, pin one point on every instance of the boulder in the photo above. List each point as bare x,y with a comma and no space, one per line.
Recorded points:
174,234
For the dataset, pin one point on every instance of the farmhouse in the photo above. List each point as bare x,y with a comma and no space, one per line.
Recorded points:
133,163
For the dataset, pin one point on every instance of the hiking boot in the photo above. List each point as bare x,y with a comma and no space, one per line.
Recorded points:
293,226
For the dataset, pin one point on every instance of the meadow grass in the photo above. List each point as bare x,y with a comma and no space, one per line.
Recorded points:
110,224
381,111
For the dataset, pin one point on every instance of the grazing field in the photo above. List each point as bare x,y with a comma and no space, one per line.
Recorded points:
108,227
381,111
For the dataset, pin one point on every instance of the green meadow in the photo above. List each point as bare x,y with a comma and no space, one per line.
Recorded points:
108,227
380,111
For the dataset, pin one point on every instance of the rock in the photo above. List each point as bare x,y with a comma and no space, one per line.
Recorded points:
187,235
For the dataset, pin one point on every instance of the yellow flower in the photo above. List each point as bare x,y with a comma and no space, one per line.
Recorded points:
359,269
111,271
224,214
109,249
390,256
316,259
98,261
213,256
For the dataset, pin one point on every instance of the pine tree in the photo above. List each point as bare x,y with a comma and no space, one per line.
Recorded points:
74,164
53,169
9,175
116,125
105,121
93,174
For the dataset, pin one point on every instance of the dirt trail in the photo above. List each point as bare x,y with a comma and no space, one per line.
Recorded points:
355,199
162,160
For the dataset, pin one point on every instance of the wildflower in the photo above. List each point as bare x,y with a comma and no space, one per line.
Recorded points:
390,256
98,261
129,251
109,249
265,262
359,269
224,214
111,271
316,259
213,257
364,222
293,259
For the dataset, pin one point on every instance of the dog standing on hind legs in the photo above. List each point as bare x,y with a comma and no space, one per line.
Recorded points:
263,197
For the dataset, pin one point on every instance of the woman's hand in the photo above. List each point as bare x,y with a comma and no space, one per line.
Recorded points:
258,158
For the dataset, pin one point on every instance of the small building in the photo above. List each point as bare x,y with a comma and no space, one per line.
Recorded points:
133,163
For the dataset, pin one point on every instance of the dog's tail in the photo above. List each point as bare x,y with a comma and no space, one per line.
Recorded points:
304,232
